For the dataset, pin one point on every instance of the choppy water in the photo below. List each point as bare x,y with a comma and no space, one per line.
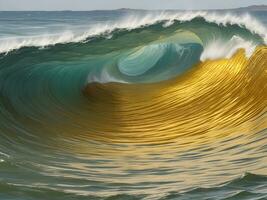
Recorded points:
133,105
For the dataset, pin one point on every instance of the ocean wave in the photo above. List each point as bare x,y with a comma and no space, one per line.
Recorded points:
172,109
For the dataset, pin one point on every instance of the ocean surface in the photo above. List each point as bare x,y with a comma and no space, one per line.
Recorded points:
133,104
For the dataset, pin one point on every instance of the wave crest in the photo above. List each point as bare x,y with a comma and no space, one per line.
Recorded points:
132,22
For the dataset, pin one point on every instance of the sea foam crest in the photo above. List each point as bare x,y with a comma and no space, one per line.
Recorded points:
133,21
220,49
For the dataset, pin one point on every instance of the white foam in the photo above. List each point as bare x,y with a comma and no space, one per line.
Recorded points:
220,49
132,22
104,77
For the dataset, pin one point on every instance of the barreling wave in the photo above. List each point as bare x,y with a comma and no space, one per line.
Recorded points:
151,49
151,107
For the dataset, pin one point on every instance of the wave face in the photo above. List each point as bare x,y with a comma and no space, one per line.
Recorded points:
147,105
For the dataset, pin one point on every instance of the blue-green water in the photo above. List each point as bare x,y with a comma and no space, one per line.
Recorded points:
49,148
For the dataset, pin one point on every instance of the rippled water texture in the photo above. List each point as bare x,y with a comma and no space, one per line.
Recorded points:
133,105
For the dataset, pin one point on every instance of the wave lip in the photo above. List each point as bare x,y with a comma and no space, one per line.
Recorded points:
221,49
134,22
